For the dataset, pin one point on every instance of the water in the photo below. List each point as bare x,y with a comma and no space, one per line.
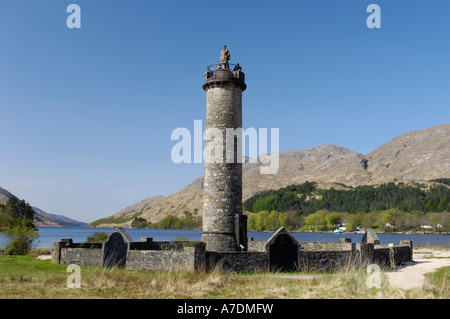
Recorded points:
47,235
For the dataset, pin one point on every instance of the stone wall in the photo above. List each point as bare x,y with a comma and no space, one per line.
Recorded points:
190,259
144,255
322,261
244,261
257,246
327,246
87,257
262,256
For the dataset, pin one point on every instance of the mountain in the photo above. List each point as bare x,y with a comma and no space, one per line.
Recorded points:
4,195
415,156
42,218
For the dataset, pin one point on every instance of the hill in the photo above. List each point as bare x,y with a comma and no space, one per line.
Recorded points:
420,155
42,218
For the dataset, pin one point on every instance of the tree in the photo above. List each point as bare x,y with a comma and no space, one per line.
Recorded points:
387,220
353,221
261,219
316,221
139,222
169,222
16,212
436,223
251,222
332,220
293,220
21,239
97,237
273,221
371,220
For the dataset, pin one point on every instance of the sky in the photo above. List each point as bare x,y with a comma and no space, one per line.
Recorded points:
86,114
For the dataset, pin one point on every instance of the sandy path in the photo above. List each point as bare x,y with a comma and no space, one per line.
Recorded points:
412,276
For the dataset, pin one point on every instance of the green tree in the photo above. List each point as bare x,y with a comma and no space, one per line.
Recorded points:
97,237
316,221
21,239
170,222
371,220
353,221
273,221
261,219
251,222
387,220
332,220
16,212
139,222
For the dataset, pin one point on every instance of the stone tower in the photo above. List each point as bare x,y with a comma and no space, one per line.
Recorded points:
224,225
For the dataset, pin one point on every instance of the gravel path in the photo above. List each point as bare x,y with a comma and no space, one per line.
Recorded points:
412,276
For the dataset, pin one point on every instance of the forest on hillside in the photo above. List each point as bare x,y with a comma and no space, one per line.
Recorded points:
387,207
307,198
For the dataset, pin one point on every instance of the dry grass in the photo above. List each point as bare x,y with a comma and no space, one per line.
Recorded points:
27,277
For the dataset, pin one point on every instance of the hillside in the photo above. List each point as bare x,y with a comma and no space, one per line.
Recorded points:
42,218
415,156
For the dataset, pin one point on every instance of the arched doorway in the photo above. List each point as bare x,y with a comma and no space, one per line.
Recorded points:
283,254
115,251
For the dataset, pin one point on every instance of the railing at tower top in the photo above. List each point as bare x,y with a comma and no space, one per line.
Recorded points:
235,75
216,66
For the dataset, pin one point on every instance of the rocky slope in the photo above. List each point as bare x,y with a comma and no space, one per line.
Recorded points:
418,155
42,218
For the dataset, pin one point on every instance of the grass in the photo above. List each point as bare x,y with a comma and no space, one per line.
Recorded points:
23,277
439,279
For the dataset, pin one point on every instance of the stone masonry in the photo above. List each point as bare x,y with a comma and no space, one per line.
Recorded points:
281,252
223,179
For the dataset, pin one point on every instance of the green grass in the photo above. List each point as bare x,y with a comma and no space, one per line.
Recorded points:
439,279
23,277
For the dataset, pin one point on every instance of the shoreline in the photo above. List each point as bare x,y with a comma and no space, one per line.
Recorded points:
412,275
264,231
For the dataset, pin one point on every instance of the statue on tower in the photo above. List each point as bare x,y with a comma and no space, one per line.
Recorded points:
224,57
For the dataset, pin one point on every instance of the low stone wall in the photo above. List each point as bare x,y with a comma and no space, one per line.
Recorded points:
87,257
240,261
322,261
327,246
256,246
281,251
308,245
163,255
187,259
383,257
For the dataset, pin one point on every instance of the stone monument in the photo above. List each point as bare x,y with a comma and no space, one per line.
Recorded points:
224,224
225,57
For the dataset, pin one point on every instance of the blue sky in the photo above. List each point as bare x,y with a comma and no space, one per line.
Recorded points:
86,114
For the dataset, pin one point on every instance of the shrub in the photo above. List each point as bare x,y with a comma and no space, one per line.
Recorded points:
97,237
21,239
139,222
